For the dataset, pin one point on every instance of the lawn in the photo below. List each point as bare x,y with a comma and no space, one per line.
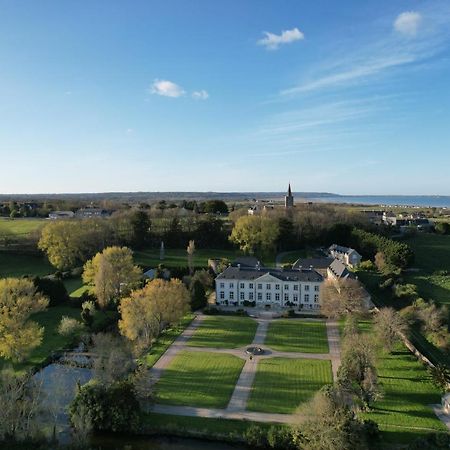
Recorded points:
295,335
17,265
291,257
52,340
73,285
165,339
404,411
20,227
199,379
224,332
282,384
178,257
432,254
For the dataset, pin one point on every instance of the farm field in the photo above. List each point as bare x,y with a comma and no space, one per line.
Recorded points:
17,265
293,335
52,340
199,379
224,332
281,384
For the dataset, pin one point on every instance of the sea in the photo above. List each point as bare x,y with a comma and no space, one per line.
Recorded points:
437,201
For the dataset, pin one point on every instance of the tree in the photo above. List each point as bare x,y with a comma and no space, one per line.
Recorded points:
112,274
140,224
18,301
70,243
442,228
190,256
338,298
112,360
198,295
440,375
53,289
146,311
255,234
388,326
87,313
214,207
204,277
68,326
327,423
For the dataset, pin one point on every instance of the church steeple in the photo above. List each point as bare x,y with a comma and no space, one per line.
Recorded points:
289,198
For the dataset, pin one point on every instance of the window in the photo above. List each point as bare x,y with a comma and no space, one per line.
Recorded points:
242,286
259,296
316,288
277,287
268,286
231,295
222,295
222,285
295,298
250,286
259,286
286,286
250,296
231,285
307,287
306,298
295,287
286,297
268,296
277,297
241,295
316,298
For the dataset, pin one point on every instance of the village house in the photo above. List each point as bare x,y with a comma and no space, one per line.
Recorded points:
346,255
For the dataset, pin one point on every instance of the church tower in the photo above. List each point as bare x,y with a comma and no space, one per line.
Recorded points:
289,199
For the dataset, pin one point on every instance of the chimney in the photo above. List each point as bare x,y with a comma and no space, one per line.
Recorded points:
239,267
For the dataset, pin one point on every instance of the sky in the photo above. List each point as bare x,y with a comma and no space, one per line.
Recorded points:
348,97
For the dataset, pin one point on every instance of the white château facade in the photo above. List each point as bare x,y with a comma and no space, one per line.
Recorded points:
298,289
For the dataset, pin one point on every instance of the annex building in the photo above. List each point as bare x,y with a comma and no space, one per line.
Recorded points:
242,285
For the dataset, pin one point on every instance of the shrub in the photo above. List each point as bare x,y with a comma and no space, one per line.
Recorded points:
198,295
53,289
70,327
255,436
388,283
113,408
280,438
405,291
367,265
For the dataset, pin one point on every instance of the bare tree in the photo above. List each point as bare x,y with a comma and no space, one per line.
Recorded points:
343,297
389,326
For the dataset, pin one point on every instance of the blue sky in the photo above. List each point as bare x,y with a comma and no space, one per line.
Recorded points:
349,97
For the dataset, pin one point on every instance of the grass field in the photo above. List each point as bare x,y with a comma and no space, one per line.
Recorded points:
432,254
165,339
404,411
178,257
20,227
52,341
224,332
281,384
297,336
17,265
199,379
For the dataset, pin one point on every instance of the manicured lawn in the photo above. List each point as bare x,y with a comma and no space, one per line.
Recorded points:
294,335
224,332
72,285
165,340
291,257
178,257
199,379
17,265
52,340
404,411
281,384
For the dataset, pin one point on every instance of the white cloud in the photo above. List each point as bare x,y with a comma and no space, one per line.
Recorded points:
273,41
166,88
407,23
200,95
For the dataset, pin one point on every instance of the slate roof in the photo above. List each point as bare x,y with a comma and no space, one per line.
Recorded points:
316,263
247,273
339,270
246,261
